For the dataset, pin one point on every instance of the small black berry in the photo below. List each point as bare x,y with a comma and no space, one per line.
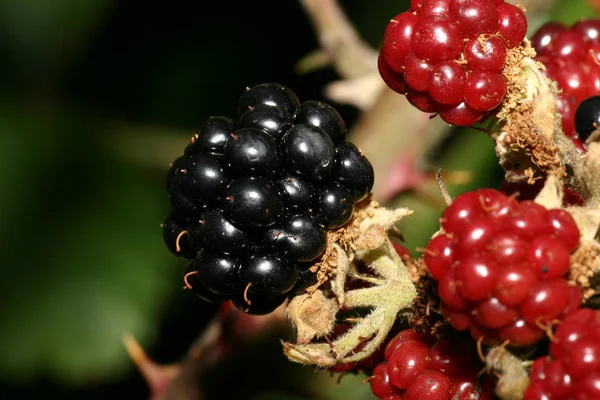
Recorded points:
212,137
587,117
183,204
220,235
324,116
177,237
218,272
252,202
190,278
268,275
306,279
295,191
174,170
334,206
204,177
299,237
354,171
274,121
308,151
252,151
269,94
257,305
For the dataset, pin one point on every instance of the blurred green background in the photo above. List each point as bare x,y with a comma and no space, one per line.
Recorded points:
96,98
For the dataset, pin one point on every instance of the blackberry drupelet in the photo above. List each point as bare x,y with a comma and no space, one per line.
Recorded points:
252,200
587,117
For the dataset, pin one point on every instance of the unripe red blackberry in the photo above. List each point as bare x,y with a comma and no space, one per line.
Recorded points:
500,266
446,56
418,367
572,369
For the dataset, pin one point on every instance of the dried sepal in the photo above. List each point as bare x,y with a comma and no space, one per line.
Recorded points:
551,195
389,298
513,377
312,315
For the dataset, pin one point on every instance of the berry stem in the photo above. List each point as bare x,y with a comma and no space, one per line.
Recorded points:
351,57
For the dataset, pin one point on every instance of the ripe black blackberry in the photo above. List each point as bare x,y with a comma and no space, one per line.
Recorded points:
252,200
587,117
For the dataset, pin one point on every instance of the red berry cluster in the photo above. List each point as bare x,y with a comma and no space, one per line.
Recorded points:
446,55
572,371
572,59
500,266
417,368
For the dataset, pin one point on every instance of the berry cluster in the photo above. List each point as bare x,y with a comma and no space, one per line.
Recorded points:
571,56
417,368
446,55
500,266
572,371
252,200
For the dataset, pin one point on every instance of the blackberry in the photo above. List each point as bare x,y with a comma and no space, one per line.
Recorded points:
204,177
252,151
257,305
299,237
587,117
322,115
354,171
220,234
182,203
309,151
177,237
334,206
212,137
268,275
295,191
217,272
274,121
271,95
190,277
252,200
174,170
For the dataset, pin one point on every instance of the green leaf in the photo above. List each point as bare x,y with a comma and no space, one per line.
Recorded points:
569,12
84,260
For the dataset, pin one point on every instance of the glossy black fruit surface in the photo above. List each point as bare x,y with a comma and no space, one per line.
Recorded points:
354,171
334,205
212,137
299,238
274,121
306,279
190,278
220,235
269,94
252,202
268,275
308,151
183,204
587,117
218,272
174,170
177,237
204,178
296,192
324,116
252,151
257,305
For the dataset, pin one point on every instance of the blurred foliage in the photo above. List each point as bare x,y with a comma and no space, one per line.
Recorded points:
96,97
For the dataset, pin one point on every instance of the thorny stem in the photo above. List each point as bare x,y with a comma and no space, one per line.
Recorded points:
340,43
